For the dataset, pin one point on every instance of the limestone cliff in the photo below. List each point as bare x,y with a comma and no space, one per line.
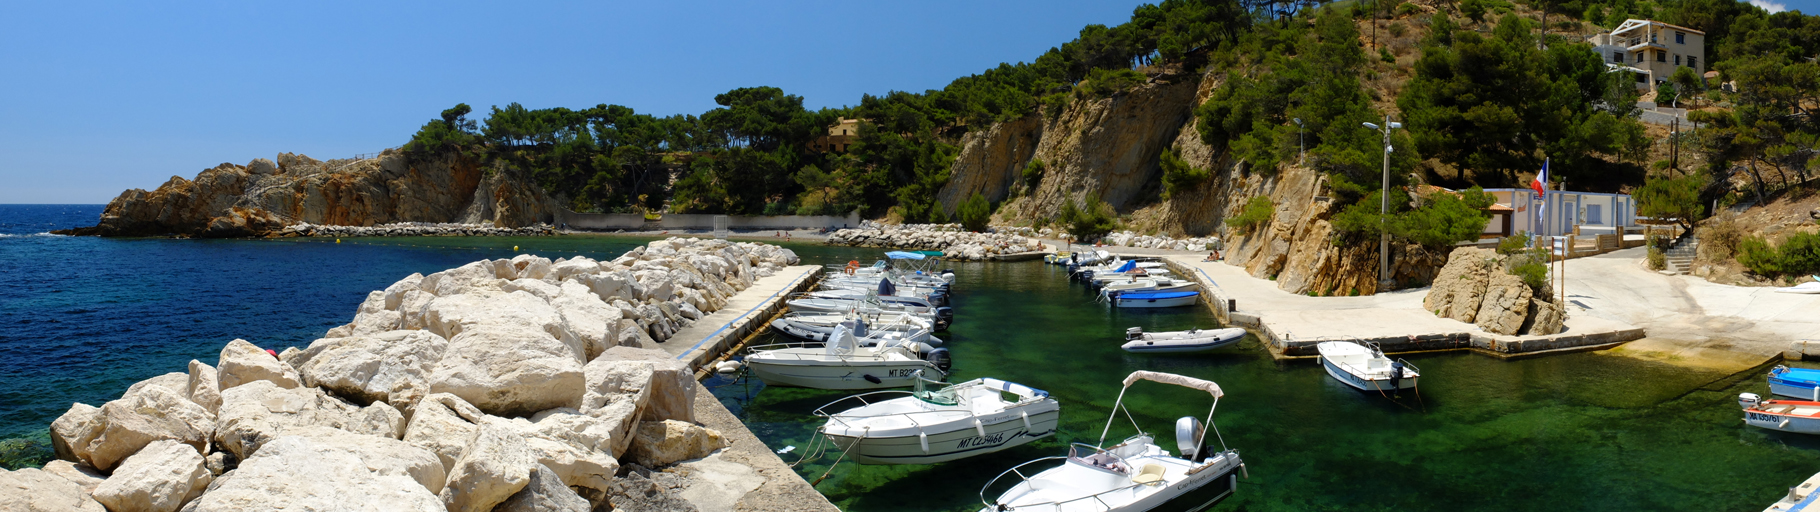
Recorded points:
263,196
1111,146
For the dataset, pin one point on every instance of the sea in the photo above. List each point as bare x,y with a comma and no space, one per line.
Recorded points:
82,318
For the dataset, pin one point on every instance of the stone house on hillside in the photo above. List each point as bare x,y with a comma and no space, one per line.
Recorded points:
839,136
1651,49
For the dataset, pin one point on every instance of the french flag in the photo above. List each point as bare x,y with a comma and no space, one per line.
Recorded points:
1541,182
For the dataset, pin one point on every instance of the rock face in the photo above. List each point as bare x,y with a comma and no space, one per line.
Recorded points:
1474,287
263,197
991,161
506,384
36,490
160,478
1109,146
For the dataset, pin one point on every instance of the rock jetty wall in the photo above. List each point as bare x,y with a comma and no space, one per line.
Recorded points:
1475,288
503,385
953,240
411,229
263,197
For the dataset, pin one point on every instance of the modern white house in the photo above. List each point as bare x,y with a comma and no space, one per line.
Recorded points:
1651,49
1559,212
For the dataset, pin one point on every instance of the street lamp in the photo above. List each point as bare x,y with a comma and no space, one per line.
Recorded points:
1384,204
1301,143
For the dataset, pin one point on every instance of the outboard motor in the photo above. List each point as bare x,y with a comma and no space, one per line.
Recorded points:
945,312
940,358
948,275
860,329
1396,374
1188,432
941,323
1749,400
1135,333
938,299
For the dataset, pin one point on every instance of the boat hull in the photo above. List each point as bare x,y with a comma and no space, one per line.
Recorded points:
1004,430
1365,384
1219,339
1156,303
1781,422
844,375
1193,493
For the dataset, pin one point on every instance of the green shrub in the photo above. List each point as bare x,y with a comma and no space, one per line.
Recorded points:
1178,175
1799,255
1720,236
1090,220
1657,260
1397,29
1257,212
1054,104
1404,10
1103,83
1677,198
1033,172
1384,55
1514,243
1445,218
1533,269
974,213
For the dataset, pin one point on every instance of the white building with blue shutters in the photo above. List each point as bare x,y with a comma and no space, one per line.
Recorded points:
1559,212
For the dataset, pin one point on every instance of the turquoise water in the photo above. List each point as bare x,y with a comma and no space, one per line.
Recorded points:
83,318
1584,431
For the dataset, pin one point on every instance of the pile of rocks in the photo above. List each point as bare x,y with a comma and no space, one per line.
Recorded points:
955,241
1475,287
1130,239
411,229
514,384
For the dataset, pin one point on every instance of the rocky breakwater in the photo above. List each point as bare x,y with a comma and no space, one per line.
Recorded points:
264,196
412,229
954,241
1477,287
504,385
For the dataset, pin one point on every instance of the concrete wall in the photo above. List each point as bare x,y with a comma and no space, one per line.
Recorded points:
633,221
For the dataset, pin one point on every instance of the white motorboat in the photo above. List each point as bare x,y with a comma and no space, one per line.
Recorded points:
1155,299
812,329
941,316
843,364
1798,416
1135,475
1194,340
1363,366
1810,287
1146,284
925,426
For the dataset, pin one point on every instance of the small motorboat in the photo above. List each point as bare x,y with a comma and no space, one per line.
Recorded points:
1057,258
1798,416
1795,382
1132,476
1155,299
817,328
1193,340
1810,287
843,364
1146,284
1363,366
924,426
812,304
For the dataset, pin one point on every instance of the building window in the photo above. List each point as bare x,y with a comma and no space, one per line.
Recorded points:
1592,214
1617,57
1693,62
1661,56
1680,38
1639,56
1677,59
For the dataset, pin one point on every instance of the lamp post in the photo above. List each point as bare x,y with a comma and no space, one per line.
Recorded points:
1384,281
1301,143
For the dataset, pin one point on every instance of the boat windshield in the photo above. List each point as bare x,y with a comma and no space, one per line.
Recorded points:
940,396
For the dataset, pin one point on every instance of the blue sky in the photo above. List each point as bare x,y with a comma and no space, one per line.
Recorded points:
96,98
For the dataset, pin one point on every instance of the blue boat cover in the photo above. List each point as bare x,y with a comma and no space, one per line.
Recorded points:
1156,295
1801,375
901,255
885,288
1126,267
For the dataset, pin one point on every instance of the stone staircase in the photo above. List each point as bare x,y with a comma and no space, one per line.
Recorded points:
1681,255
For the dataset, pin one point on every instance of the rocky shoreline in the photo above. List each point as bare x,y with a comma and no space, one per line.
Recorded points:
955,241
410,229
521,384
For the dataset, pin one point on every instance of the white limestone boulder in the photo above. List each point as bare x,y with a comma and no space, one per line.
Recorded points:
295,473
579,265
662,443
161,477
383,456
374,317
618,392
673,387
495,465
257,413
81,474
204,386
545,493
531,267
392,366
509,371
102,437
445,425
174,381
394,294
242,362
458,280
538,287
35,490
588,318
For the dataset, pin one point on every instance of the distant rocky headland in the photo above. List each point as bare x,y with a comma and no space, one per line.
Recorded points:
265,198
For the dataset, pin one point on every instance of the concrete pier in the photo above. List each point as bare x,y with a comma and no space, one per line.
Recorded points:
1291,324
746,312
747,476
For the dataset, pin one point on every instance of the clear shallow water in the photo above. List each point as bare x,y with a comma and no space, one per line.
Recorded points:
83,318
1569,432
